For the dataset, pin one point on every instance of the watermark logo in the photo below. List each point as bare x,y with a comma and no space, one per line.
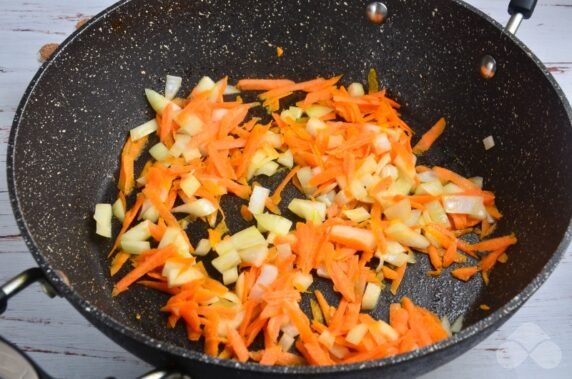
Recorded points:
529,341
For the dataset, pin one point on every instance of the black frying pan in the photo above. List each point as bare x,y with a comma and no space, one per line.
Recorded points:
72,121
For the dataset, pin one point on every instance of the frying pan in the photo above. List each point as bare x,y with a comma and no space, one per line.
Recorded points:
72,121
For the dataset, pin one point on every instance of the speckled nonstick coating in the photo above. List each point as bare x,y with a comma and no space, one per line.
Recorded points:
72,121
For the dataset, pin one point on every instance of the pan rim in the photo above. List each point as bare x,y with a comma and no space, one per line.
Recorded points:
85,307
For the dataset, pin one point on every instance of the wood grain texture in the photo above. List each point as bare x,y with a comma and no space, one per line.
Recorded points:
67,346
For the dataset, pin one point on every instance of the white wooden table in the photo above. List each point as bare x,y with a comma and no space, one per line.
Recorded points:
67,346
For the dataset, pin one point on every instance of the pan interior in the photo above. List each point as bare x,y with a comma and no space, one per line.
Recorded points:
77,115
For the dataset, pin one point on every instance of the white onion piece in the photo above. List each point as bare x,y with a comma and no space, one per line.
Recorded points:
174,235
226,262
318,111
471,205
172,86
359,214
102,217
356,334
273,223
356,90
158,102
139,232
258,199
203,247
204,84
268,274
406,236
255,255
302,281
285,342
286,159
489,142
313,211
399,211
118,210
370,296
159,151
231,90
427,176
314,125
143,130
230,276
190,184
198,208
247,238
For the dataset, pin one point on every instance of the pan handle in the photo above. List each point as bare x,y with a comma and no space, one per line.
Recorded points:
13,362
21,281
519,10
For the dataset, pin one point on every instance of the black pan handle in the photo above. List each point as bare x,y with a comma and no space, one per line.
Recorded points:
21,281
524,7
13,362
519,10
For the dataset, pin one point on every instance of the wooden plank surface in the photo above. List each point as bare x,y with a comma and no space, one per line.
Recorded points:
48,329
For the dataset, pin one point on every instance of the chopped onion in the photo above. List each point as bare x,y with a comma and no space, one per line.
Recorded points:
102,217
273,139
134,246
203,247
149,212
231,90
158,102
359,214
413,218
190,154
218,114
230,276
356,90
381,143
318,111
258,199
335,141
356,334
399,211
139,232
285,342
224,246
427,176
292,114
255,255
186,276
174,235
191,124
457,325
471,205
273,223
172,86
386,330
190,184
302,281
327,339
367,167
239,286
446,324
118,210
284,250
198,208
180,145
391,171
477,180
247,238
226,262
269,168
159,151
313,211
304,175
451,188
143,130
204,84
433,188
437,213
286,159
489,142
404,235
290,329
370,296
339,351
268,274
314,125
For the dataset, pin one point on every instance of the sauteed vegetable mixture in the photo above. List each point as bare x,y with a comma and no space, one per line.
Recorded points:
365,210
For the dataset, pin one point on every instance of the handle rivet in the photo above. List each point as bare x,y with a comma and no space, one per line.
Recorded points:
376,12
488,67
